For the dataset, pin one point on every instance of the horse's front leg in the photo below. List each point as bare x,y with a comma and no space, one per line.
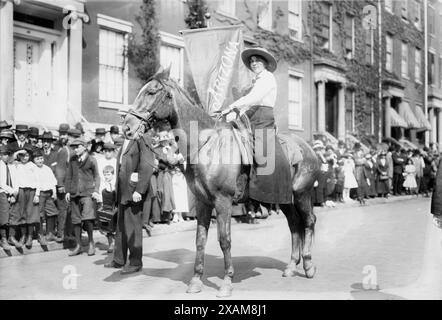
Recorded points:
223,207
203,215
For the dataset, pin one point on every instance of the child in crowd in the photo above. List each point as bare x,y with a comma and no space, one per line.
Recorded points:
340,179
349,176
6,194
82,190
25,213
410,177
47,186
108,198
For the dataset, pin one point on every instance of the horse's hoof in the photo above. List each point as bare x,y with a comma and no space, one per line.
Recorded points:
310,272
288,273
195,286
225,291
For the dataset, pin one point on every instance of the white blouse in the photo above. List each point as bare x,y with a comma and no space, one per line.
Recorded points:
263,92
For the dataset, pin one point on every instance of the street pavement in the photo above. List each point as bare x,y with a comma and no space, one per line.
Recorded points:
386,250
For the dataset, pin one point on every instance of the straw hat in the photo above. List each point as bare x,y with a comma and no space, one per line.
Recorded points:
260,52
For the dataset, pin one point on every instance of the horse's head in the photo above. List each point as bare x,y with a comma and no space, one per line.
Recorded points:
153,103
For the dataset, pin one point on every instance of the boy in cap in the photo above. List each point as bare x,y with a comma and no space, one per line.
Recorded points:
25,210
82,188
6,192
47,194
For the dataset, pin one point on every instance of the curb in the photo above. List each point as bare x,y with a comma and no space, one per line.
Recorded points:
160,229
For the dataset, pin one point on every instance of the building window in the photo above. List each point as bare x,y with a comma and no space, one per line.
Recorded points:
295,19
350,111
172,54
431,68
369,46
389,54
349,36
228,7
326,24
404,61
418,66
431,22
295,100
417,18
369,102
389,5
113,64
440,72
404,10
265,14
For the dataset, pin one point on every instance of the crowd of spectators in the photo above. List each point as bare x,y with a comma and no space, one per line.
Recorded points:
354,174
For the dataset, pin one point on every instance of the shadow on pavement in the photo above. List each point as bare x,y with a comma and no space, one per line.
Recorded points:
214,267
359,293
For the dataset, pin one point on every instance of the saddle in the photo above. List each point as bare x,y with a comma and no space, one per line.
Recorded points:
242,133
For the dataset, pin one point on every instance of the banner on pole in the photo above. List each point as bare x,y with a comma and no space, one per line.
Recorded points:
214,55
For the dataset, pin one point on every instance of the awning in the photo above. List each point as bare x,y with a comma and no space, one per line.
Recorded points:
425,124
408,144
396,119
408,115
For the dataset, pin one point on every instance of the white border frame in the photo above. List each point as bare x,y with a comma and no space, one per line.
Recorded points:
177,42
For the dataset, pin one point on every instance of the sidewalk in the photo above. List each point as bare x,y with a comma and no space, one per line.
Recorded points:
159,229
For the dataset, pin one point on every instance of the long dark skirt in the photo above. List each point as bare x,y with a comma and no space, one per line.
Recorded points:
271,180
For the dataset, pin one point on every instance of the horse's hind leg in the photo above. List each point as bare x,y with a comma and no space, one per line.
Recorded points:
292,219
223,206
304,206
203,215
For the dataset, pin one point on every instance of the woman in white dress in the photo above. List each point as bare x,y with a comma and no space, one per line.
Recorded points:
349,177
410,177
179,185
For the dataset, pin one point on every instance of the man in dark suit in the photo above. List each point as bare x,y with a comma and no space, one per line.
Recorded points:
135,163
436,199
21,131
398,169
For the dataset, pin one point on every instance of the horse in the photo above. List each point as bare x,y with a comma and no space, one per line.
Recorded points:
213,182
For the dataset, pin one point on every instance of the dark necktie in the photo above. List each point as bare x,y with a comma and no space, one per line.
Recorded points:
8,177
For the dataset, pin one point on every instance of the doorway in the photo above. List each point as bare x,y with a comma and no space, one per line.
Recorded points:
331,108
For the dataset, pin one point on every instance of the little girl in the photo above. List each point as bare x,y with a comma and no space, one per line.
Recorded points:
349,177
410,177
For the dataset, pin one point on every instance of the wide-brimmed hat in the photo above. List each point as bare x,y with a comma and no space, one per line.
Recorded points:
165,136
63,128
357,146
47,135
7,133
318,144
5,149
33,132
114,129
73,132
21,128
4,125
109,146
100,131
261,52
78,142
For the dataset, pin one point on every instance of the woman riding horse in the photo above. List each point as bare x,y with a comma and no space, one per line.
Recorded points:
214,182
274,186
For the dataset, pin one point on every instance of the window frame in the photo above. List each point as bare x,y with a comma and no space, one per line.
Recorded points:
432,70
232,5
299,18
371,43
405,75
297,74
270,17
418,9
389,8
351,54
389,69
109,23
417,75
404,11
174,41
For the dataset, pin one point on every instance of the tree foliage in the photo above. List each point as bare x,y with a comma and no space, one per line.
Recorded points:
143,53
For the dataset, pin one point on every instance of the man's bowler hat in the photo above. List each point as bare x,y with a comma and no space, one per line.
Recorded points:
63,128
33,132
4,125
21,128
114,130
